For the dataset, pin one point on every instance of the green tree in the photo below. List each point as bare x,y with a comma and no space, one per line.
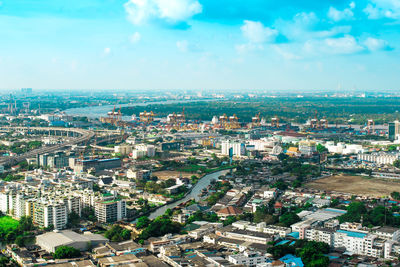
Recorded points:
281,185
282,156
116,233
289,218
66,252
142,222
354,212
20,241
159,227
396,163
321,148
25,224
395,195
4,261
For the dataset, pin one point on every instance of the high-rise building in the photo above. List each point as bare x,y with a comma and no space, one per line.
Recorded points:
238,148
394,130
58,160
108,211
49,214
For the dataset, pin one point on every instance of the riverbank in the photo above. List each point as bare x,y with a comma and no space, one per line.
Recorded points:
96,112
193,193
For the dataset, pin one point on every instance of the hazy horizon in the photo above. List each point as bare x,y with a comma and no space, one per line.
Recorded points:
254,45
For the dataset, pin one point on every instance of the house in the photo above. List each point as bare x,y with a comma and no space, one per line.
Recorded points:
293,152
229,211
107,180
292,261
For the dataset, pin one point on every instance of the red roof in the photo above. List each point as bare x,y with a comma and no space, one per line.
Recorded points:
278,205
230,211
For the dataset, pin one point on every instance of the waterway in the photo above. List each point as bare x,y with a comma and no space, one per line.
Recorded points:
95,112
194,193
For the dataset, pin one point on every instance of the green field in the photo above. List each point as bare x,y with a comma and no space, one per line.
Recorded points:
7,224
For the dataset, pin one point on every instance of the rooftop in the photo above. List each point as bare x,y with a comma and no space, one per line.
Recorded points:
352,234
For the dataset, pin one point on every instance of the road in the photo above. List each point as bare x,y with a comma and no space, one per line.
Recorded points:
85,135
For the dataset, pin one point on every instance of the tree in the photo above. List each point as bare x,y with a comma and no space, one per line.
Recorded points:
142,222
335,202
354,212
20,241
396,163
73,219
159,227
281,185
25,224
321,148
229,220
66,252
289,218
280,251
312,253
117,233
395,195
296,183
282,156
4,261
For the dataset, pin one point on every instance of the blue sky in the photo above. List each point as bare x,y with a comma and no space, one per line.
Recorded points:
200,44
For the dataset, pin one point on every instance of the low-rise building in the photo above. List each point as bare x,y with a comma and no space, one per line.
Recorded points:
52,240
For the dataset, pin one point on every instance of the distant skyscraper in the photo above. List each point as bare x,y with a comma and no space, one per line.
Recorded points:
394,130
26,91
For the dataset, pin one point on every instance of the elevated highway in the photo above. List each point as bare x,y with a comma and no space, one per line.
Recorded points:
79,136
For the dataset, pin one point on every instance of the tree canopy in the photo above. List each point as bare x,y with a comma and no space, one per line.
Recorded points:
66,252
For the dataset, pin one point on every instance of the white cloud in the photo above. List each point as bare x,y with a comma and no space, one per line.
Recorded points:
377,9
338,15
300,27
352,5
337,46
286,54
305,19
182,46
255,32
374,44
185,46
140,11
135,37
344,45
243,48
107,50
332,32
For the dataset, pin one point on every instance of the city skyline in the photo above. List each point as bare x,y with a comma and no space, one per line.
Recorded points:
200,44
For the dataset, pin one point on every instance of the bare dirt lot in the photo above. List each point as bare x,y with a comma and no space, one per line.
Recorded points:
356,185
165,175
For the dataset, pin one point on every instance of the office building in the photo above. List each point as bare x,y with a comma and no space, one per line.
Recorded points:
394,130
238,148
108,211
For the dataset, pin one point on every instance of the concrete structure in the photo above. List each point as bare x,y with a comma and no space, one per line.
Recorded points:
138,174
80,166
381,158
52,240
238,148
307,148
108,211
57,160
248,258
394,130
123,149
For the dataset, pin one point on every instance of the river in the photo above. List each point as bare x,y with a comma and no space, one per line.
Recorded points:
95,112
194,194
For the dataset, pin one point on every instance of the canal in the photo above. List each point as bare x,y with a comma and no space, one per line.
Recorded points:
194,194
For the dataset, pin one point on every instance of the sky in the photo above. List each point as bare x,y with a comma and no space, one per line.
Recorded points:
200,44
